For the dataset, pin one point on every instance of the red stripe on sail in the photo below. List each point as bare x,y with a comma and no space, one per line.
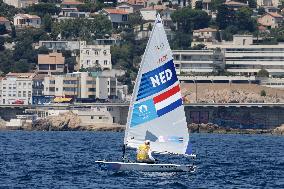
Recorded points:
166,94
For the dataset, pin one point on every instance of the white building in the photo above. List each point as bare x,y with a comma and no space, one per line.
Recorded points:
245,58
118,17
20,3
81,85
199,61
27,20
95,56
16,88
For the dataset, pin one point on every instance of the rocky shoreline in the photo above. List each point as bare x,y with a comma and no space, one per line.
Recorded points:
71,122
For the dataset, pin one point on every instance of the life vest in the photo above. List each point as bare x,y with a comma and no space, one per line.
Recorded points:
142,153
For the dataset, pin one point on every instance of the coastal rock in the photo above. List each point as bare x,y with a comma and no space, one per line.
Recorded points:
279,130
62,122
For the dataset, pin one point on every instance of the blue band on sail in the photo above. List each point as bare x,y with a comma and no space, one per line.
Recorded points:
157,80
143,112
169,107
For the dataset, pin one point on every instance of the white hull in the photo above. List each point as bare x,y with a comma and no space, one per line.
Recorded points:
144,167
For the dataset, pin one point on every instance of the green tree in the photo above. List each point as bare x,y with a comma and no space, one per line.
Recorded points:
262,73
262,93
261,11
244,20
198,5
225,17
216,3
2,29
47,23
42,9
22,65
82,29
42,50
188,19
181,41
134,19
89,7
8,11
2,42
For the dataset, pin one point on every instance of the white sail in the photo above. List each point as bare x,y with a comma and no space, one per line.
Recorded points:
156,112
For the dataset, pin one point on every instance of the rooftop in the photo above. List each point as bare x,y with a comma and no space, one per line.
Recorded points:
205,30
3,19
28,16
116,11
20,75
71,2
51,58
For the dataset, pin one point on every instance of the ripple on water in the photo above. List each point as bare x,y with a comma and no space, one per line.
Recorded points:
67,160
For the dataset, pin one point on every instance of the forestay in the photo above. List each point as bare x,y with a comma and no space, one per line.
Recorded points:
156,112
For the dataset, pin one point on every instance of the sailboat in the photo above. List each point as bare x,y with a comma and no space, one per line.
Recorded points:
156,111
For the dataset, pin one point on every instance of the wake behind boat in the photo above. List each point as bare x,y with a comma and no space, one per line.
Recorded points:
156,111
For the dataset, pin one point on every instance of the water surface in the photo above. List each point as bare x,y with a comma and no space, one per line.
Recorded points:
67,160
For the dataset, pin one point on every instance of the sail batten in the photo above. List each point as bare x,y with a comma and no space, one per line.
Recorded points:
156,111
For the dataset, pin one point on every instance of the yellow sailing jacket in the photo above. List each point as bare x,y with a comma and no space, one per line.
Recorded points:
142,153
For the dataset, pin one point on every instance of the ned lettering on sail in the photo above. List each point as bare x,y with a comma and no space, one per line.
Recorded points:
161,78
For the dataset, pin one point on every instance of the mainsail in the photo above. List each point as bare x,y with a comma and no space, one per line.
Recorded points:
156,112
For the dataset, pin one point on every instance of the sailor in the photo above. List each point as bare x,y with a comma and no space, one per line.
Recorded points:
144,153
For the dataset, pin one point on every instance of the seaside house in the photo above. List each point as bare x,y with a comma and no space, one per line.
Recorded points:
27,20
270,20
4,21
95,56
52,63
204,35
16,88
117,17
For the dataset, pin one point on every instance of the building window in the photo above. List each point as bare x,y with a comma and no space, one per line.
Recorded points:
92,117
96,53
105,62
24,84
105,52
87,52
24,93
56,89
20,94
97,62
100,117
88,62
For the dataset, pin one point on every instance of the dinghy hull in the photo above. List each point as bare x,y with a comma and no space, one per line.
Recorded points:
144,167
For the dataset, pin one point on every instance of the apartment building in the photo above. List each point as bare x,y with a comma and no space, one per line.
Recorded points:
95,56
243,57
82,85
52,63
16,88
198,61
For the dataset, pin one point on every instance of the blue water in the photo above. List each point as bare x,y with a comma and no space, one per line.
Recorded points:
67,160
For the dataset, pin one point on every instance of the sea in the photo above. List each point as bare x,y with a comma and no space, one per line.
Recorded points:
67,160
